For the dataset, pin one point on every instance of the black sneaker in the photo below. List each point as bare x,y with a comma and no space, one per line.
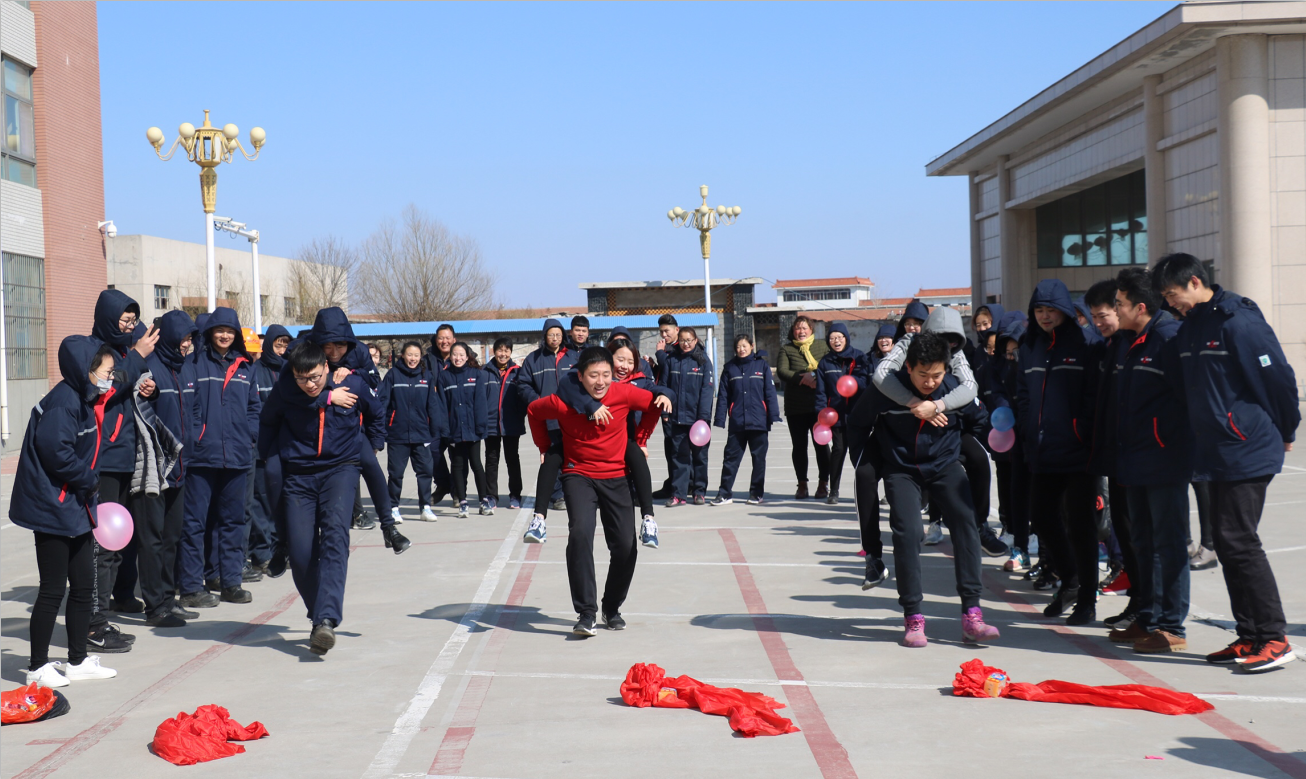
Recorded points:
664,492
236,595
614,622
585,626
323,637
1047,580
876,573
1122,620
102,640
700,499
363,521
1082,615
1062,602
198,600
165,619
183,613
833,498
251,574
278,563
558,505
1035,571
213,585
114,629
129,606
395,540
992,545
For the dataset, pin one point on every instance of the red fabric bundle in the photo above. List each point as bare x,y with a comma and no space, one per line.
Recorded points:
969,682
750,713
26,704
188,739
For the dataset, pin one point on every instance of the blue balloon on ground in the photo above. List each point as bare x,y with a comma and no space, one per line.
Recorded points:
1002,419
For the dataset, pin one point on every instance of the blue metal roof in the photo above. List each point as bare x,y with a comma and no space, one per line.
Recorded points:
484,326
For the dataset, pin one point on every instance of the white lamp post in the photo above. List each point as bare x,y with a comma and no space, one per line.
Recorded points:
703,219
225,223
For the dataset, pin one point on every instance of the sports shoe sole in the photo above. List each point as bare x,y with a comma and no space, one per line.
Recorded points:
1282,660
104,649
532,540
867,584
651,544
581,630
322,642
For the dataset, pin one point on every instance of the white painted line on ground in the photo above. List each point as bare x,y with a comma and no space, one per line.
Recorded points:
1286,549
409,723
1248,698
754,565
716,682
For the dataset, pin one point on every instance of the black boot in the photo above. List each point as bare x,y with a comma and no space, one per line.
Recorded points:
395,540
1061,602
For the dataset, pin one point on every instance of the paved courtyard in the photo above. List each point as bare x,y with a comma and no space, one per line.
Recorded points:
457,659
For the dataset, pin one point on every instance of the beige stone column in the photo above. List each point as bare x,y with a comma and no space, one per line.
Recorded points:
1243,124
1154,164
976,260
1012,275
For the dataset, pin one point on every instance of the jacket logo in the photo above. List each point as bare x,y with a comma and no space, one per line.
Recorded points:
1145,360
1212,344
1069,360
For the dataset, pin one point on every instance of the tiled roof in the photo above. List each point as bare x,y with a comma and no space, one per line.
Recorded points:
943,292
848,281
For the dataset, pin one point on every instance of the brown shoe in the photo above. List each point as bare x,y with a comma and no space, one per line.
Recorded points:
822,492
801,494
1129,635
1159,642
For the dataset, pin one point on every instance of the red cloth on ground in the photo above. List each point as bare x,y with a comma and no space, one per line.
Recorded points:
188,739
750,713
25,704
969,682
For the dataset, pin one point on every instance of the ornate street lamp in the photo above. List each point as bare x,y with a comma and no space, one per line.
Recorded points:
703,219
208,147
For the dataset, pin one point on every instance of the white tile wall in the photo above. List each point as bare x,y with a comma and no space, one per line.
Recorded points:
18,33
1111,145
991,256
1190,105
988,195
1288,185
1192,194
22,228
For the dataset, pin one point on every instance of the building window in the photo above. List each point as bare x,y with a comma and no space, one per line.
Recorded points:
161,295
233,299
791,296
18,154
1102,225
290,309
262,304
24,316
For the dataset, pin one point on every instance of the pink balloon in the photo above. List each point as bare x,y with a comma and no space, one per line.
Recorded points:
846,386
822,435
113,527
828,417
700,434
1002,440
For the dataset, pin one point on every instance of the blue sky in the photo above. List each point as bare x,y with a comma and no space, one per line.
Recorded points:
558,135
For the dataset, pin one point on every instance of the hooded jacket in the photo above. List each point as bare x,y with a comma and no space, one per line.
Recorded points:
748,399
542,370
433,361
999,376
907,444
975,348
834,366
164,364
331,325
507,411
621,331
886,331
914,310
118,450
945,321
268,366
1241,392
410,404
577,399
1154,442
56,484
312,435
1056,396
463,412
689,376
220,400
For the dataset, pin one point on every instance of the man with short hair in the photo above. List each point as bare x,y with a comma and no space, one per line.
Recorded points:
668,345
1241,395
579,334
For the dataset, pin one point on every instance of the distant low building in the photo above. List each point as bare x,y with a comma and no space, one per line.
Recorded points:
823,293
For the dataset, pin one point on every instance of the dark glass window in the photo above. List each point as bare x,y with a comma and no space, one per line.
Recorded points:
1102,225
24,316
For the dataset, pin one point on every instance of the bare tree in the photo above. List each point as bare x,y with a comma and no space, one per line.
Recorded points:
416,270
319,276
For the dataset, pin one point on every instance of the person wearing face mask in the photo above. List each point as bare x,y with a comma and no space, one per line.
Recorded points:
689,377
842,360
507,423
796,368
746,407
260,526
54,496
408,396
541,373
463,418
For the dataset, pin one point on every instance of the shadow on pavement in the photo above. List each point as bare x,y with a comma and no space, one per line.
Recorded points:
1226,755
529,619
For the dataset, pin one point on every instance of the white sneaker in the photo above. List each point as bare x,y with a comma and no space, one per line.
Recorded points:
538,532
720,501
648,535
394,514
935,534
47,676
428,514
89,668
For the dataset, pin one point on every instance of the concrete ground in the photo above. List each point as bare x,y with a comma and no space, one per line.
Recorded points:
457,659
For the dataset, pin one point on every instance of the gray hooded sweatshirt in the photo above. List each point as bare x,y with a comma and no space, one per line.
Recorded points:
943,321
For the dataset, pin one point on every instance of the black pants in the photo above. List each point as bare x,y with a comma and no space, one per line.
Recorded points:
669,451
317,537
800,429
689,468
114,488
609,499
439,472
63,562
509,445
947,490
396,460
260,531
1118,499
1236,508
838,453
975,461
1067,502
161,519
462,455
757,442
1202,491
374,478
866,494
1013,496
637,467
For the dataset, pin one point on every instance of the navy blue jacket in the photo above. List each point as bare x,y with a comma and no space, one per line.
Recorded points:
873,356
748,398
542,371
689,376
310,434
1106,421
508,411
118,449
463,413
834,366
220,400
331,325
1056,397
408,397
1241,392
57,479
914,310
165,363
1153,440
269,364
975,353
907,444
997,377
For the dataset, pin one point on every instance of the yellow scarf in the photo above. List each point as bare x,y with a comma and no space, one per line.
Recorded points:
805,347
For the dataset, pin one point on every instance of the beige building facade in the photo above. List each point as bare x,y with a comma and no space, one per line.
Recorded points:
1187,136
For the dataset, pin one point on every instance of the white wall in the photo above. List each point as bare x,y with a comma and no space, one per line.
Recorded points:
1288,185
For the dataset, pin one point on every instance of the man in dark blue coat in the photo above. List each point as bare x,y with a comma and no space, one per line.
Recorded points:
260,525
689,376
1241,395
507,423
668,344
1055,405
540,374
746,407
436,360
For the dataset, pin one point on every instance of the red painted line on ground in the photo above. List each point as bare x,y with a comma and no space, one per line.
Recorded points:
831,757
92,735
1226,727
44,741
453,748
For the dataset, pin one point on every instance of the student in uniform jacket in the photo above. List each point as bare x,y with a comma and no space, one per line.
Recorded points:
55,496
261,525
837,363
463,419
1056,402
976,353
408,397
540,374
436,360
882,345
621,332
507,423
746,407
997,386
689,376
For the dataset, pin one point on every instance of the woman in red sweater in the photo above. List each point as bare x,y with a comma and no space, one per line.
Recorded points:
594,484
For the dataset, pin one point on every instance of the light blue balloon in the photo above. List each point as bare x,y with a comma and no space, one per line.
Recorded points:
1003,419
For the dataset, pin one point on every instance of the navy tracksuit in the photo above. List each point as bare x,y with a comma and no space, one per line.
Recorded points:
222,407
261,528
463,417
746,407
507,426
319,446
997,379
410,403
689,376
539,376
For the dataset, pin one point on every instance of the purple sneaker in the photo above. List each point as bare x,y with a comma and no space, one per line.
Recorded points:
973,628
915,636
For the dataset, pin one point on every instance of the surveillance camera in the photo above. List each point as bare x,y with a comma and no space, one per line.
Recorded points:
109,228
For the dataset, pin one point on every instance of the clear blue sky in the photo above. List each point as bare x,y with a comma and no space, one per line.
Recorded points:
558,135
